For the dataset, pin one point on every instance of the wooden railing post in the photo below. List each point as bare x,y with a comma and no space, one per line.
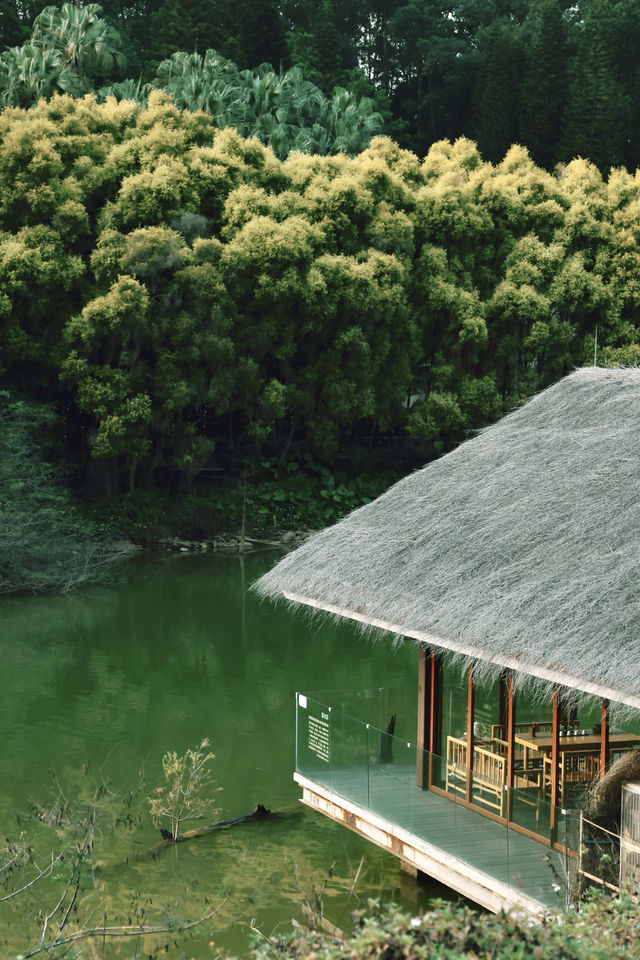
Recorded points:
429,684
436,703
435,728
424,716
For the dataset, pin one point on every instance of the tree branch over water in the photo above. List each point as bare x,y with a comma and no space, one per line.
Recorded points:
69,895
133,930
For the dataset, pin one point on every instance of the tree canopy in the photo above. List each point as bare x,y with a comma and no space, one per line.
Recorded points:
186,297
560,78
74,50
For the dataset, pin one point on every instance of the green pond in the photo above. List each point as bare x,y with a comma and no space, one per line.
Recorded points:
98,685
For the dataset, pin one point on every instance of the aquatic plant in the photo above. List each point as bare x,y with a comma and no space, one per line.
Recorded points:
185,795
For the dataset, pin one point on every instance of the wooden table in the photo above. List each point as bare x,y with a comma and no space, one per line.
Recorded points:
587,744
578,757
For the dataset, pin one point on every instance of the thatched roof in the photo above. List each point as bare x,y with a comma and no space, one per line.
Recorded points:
520,548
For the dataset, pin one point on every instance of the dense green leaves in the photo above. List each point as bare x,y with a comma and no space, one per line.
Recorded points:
188,296
560,78
601,929
74,50
44,543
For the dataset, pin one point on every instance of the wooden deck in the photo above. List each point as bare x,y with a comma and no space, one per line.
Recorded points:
485,861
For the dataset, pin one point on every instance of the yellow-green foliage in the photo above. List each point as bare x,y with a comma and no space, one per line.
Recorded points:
186,794
177,281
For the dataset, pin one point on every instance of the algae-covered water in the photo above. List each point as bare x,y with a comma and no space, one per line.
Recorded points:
98,685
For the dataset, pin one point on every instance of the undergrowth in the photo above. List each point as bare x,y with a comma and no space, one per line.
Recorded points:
602,930
270,506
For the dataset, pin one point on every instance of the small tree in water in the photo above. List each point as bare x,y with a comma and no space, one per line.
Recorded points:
184,796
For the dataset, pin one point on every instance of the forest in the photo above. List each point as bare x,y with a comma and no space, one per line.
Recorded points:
560,78
219,266
271,255
181,293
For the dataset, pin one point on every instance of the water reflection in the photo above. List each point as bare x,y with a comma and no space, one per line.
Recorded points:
111,678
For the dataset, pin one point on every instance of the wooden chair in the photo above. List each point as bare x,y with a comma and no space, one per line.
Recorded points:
488,774
578,767
525,759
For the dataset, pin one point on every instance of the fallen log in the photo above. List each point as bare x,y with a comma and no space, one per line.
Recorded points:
259,813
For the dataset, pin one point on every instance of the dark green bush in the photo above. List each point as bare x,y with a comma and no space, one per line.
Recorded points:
270,506
602,929
45,543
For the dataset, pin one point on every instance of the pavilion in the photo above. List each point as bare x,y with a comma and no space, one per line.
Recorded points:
514,558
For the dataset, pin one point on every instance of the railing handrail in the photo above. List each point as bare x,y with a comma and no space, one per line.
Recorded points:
597,825
333,753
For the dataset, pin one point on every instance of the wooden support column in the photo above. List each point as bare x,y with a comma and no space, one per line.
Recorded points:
424,716
604,737
468,794
503,695
429,719
510,725
555,761
435,728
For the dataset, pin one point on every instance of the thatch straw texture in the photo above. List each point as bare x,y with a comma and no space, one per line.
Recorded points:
520,547
604,797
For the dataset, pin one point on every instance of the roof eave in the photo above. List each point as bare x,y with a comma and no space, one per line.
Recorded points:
540,671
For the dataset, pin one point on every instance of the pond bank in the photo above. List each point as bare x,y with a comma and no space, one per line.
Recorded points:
223,543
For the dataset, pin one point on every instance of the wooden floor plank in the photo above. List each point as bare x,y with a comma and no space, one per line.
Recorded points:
390,792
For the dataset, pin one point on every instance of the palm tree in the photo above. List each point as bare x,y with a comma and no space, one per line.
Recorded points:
352,121
283,109
70,48
87,46
125,90
26,74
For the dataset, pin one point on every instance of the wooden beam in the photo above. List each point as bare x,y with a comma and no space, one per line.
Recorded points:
555,761
468,794
510,725
552,674
604,737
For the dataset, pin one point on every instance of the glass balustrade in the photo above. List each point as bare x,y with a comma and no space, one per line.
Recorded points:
470,814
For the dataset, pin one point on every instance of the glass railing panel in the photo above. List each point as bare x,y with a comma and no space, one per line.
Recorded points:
390,778
375,706
543,874
313,740
350,751
433,818
486,848
529,809
438,771
569,839
488,793
454,768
